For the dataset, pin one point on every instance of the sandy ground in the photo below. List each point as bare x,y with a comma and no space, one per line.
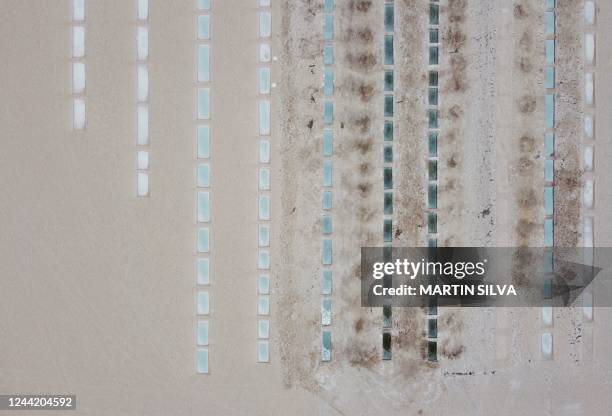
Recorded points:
98,287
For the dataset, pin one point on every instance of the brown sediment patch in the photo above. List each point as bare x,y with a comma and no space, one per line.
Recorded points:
409,330
364,189
450,351
359,5
360,355
456,10
526,41
450,327
450,323
449,320
454,39
455,111
362,123
519,11
453,161
450,185
364,168
569,178
362,35
525,162
366,91
525,228
525,64
365,214
527,144
364,145
361,61
524,267
527,197
458,78
360,87
358,325
527,104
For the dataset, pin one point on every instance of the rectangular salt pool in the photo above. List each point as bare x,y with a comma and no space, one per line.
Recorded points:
388,50
326,305
264,117
202,333
203,103
203,63
203,271
550,110
389,17
549,200
328,146
327,200
326,346
326,256
327,173
203,134
328,81
202,361
326,285
263,284
203,206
